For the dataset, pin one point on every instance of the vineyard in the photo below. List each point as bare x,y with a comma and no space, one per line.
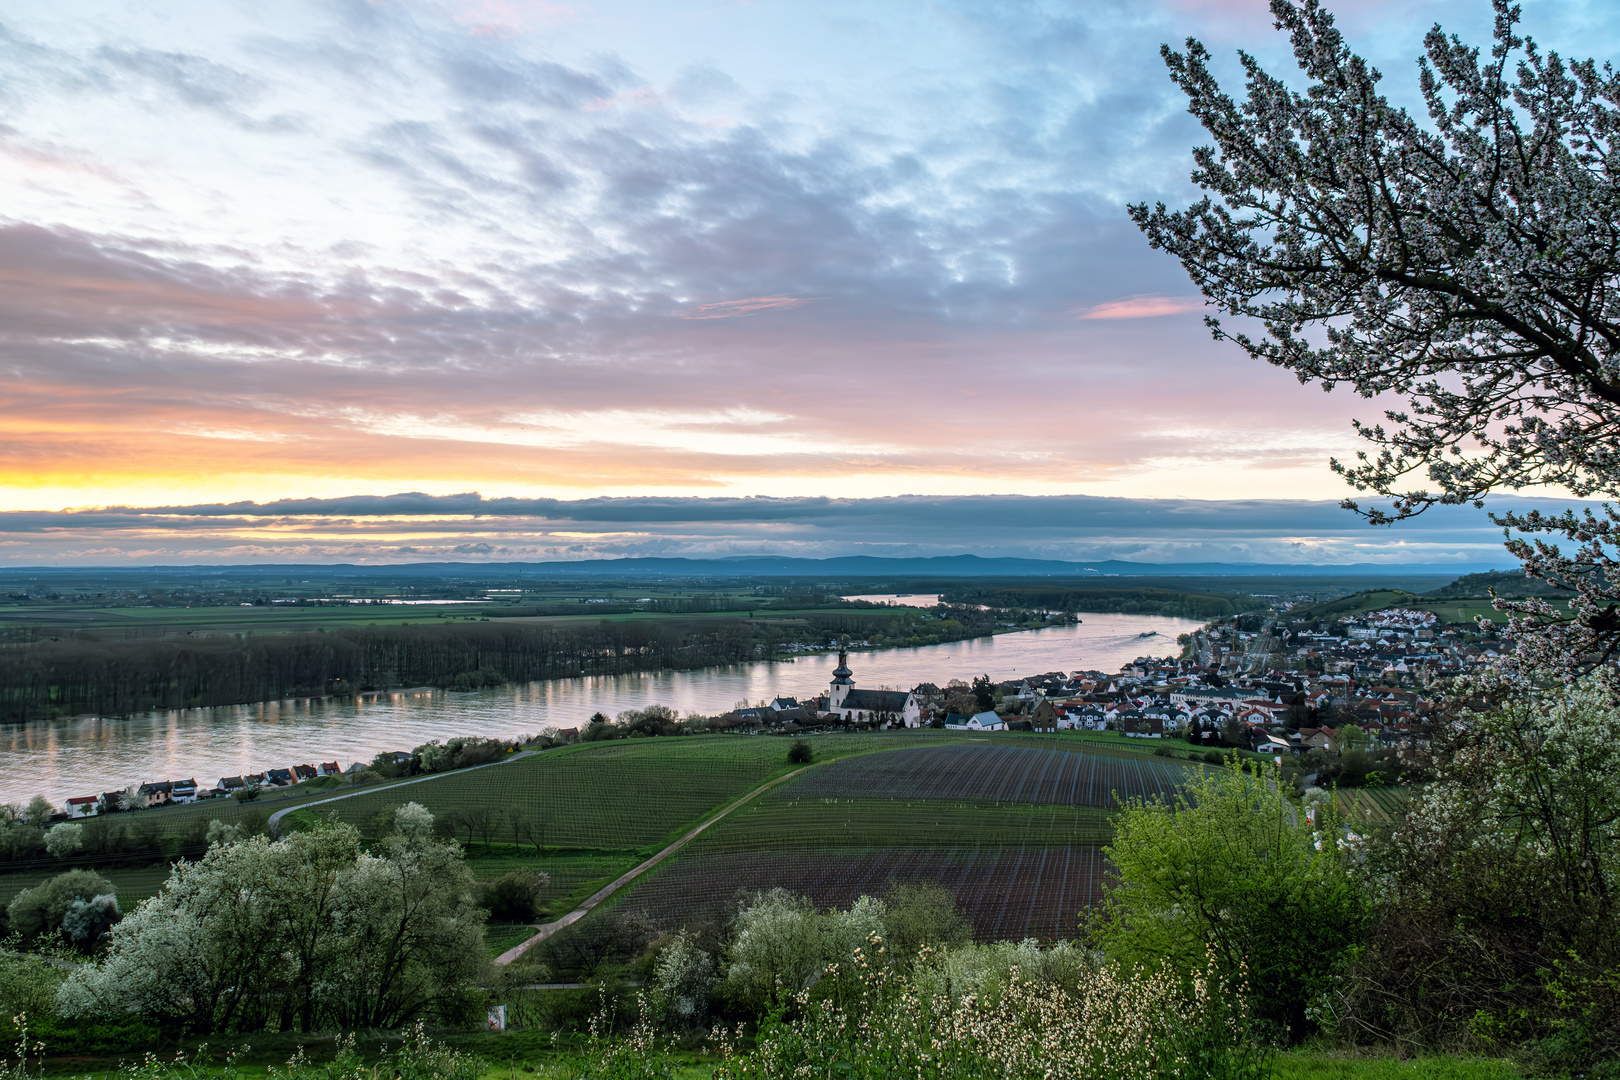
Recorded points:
626,794
1015,831
1011,892
1374,804
1066,775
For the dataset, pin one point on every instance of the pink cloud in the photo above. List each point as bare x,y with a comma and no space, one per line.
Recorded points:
508,18
1144,307
641,95
730,309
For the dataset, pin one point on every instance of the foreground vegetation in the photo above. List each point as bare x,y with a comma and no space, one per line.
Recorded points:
1238,922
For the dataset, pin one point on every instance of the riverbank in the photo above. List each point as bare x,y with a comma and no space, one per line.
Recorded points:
64,758
89,674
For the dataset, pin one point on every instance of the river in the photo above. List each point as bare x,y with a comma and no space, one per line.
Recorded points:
65,758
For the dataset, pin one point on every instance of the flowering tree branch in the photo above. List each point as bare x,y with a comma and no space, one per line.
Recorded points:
1469,266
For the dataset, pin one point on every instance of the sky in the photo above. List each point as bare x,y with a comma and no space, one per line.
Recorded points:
755,254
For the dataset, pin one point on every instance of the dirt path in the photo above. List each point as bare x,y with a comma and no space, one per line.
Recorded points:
548,929
275,818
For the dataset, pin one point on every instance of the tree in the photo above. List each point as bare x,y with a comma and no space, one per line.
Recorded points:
922,913
1469,268
38,912
64,839
39,810
1229,868
87,923
413,821
983,693
776,947
683,981
303,933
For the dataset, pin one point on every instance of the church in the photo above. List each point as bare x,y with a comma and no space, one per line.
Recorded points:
898,707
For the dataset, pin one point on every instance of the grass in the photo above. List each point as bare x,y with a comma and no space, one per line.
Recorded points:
1326,1065
532,1055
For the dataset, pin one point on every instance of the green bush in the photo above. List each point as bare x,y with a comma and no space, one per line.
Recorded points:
37,913
512,897
800,753
116,1035
1229,868
28,986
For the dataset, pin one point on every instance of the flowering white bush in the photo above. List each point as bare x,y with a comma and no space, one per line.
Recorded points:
1115,1024
64,840
683,980
299,933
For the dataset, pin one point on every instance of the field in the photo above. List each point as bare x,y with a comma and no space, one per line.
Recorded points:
1013,826
1011,892
1375,804
1012,822
625,795
1061,774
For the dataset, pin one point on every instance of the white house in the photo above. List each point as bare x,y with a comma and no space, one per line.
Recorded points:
984,721
869,706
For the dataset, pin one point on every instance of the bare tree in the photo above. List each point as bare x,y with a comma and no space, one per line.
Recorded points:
1469,266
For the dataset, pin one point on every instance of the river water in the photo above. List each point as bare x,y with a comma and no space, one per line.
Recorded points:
65,758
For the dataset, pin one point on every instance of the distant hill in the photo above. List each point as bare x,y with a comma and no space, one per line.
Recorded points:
1507,583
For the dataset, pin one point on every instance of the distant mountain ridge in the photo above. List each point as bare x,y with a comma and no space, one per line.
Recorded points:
843,566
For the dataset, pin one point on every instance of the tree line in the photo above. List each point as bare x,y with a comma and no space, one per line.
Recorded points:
86,673
1136,600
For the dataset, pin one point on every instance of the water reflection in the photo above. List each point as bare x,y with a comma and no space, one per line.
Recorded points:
87,756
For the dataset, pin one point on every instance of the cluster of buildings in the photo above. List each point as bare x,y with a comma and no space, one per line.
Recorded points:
170,792
1255,681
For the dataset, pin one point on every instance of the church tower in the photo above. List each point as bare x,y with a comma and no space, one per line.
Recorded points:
842,683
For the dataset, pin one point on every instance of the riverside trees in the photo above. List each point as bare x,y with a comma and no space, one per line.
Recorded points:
1469,267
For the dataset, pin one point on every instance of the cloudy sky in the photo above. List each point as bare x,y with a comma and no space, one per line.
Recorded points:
640,250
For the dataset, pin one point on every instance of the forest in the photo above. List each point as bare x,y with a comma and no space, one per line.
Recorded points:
114,675
1128,599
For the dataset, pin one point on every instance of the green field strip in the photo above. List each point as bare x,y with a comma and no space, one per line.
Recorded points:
882,823
132,883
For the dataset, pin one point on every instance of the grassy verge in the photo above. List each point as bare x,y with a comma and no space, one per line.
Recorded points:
533,1055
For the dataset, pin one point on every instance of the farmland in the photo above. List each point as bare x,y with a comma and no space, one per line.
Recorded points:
1013,826
1059,773
1373,804
1013,823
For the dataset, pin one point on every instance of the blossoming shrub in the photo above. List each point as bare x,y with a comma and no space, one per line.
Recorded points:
1499,892
305,933
1113,1023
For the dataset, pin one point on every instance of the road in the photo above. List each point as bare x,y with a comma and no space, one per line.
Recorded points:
275,818
548,929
